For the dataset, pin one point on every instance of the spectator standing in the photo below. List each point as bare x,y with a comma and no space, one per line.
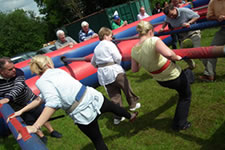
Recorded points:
165,4
157,9
86,33
142,14
63,40
156,58
215,12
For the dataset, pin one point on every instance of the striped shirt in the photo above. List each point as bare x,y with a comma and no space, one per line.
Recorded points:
16,90
85,36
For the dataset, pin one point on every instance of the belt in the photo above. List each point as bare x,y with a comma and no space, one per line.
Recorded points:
106,64
162,68
78,99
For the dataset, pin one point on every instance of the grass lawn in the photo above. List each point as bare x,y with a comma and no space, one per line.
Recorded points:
152,129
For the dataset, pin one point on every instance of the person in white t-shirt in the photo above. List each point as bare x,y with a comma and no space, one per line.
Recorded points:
59,90
111,75
142,14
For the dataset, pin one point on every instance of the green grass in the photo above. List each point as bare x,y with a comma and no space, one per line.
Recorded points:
152,129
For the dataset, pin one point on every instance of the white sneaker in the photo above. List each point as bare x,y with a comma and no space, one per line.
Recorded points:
138,105
191,63
117,121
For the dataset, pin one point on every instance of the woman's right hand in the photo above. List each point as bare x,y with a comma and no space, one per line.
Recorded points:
161,30
18,113
178,58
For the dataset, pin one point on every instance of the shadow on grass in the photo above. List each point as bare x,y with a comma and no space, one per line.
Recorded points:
142,123
140,77
219,78
216,141
149,120
9,143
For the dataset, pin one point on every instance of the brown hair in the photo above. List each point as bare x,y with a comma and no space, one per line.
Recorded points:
104,31
3,61
167,9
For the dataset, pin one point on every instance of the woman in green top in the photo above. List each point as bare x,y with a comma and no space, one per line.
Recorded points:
155,57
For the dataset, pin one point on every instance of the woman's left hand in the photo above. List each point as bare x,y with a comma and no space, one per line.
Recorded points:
18,113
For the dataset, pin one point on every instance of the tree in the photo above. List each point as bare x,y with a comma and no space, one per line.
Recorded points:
60,12
21,32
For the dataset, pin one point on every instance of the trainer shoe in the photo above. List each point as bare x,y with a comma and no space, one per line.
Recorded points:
138,105
191,63
55,134
186,126
133,116
207,78
44,139
117,121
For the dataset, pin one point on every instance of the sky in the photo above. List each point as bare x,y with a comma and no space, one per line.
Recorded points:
10,5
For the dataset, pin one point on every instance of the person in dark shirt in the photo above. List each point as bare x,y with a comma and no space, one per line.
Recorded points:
157,9
15,92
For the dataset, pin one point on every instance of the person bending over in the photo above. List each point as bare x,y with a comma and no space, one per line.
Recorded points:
155,57
82,103
15,92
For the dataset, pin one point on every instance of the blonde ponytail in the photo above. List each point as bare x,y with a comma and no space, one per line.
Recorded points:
39,64
143,28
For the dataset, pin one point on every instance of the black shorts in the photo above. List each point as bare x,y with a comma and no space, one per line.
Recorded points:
31,116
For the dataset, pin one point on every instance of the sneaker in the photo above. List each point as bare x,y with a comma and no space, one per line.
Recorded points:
133,116
56,134
138,105
44,139
191,64
185,127
207,78
117,121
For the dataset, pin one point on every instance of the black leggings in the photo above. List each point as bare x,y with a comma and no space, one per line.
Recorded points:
92,130
182,86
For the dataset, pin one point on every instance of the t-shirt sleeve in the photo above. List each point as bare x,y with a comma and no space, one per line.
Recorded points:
191,14
71,40
49,94
57,45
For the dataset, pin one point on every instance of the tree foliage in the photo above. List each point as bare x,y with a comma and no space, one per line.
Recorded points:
20,32
60,12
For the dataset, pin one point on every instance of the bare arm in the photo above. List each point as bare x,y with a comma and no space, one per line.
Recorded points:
187,24
163,49
4,101
135,67
45,115
43,118
30,106
163,26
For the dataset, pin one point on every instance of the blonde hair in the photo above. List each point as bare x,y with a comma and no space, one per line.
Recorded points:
39,64
143,28
104,31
